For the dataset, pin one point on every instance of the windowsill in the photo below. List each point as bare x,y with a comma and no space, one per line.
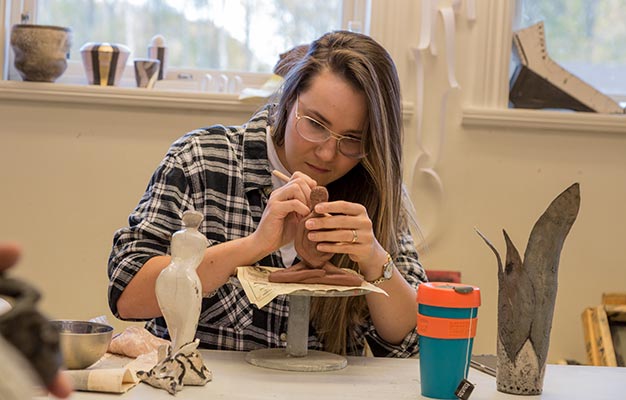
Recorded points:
126,97
129,98
523,119
135,98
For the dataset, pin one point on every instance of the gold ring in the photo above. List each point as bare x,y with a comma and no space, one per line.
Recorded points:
355,236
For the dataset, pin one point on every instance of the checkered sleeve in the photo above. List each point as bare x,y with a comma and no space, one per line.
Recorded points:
151,224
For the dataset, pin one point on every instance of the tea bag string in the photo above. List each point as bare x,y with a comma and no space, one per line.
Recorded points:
467,349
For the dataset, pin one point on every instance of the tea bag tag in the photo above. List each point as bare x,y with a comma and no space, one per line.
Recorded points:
464,390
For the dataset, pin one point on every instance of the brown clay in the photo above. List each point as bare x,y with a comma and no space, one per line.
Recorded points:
314,267
305,248
296,273
336,276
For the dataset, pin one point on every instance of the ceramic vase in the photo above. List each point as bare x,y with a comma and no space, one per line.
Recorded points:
178,287
146,72
41,51
158,50
104,63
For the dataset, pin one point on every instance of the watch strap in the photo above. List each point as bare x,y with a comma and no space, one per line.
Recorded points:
382,278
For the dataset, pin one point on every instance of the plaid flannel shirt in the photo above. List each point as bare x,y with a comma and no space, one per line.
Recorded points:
224,173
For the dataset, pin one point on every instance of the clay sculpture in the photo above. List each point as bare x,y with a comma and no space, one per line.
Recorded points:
315,266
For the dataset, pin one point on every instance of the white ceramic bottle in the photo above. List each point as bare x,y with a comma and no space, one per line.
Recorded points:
178,287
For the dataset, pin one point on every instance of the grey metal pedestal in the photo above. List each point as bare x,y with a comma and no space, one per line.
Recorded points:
297,356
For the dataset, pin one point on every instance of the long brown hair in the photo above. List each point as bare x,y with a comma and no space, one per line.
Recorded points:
367,67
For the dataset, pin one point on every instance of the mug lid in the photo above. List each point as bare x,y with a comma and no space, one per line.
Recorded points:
448,294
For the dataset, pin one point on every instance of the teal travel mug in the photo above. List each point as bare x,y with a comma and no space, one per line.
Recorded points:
446,323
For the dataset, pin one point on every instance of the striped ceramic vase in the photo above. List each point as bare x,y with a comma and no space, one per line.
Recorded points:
104,62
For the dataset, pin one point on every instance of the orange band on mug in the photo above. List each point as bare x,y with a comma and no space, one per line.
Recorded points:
446,328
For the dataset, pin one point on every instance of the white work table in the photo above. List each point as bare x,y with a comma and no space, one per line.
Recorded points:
365,378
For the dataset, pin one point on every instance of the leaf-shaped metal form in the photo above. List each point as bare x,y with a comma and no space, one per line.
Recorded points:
527,290
541,261
515,302
514,309
495,251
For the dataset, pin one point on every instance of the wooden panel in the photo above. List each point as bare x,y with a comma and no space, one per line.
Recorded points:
598,341
616,313
614,298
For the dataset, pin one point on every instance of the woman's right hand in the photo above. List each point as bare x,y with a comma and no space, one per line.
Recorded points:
286,206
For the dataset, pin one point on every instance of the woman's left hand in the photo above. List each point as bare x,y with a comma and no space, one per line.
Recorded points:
347,229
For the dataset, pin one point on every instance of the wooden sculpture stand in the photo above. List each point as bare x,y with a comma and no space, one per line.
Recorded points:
296,356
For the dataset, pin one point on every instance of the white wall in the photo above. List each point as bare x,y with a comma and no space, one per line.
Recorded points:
70,174
504,178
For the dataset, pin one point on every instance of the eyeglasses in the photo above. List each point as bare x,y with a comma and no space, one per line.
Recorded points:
314,131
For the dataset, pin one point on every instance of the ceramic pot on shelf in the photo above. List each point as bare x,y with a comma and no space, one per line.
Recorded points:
104,62
41,51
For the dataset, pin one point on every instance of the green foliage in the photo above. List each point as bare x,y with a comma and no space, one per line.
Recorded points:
581,30
195,39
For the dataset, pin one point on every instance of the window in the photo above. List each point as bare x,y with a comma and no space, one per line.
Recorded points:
226,35
586,37
487,104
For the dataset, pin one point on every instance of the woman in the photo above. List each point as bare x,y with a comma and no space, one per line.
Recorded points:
337,124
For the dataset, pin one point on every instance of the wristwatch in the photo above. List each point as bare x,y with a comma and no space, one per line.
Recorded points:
387,272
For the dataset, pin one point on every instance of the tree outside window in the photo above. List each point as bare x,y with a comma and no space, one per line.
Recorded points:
236,35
